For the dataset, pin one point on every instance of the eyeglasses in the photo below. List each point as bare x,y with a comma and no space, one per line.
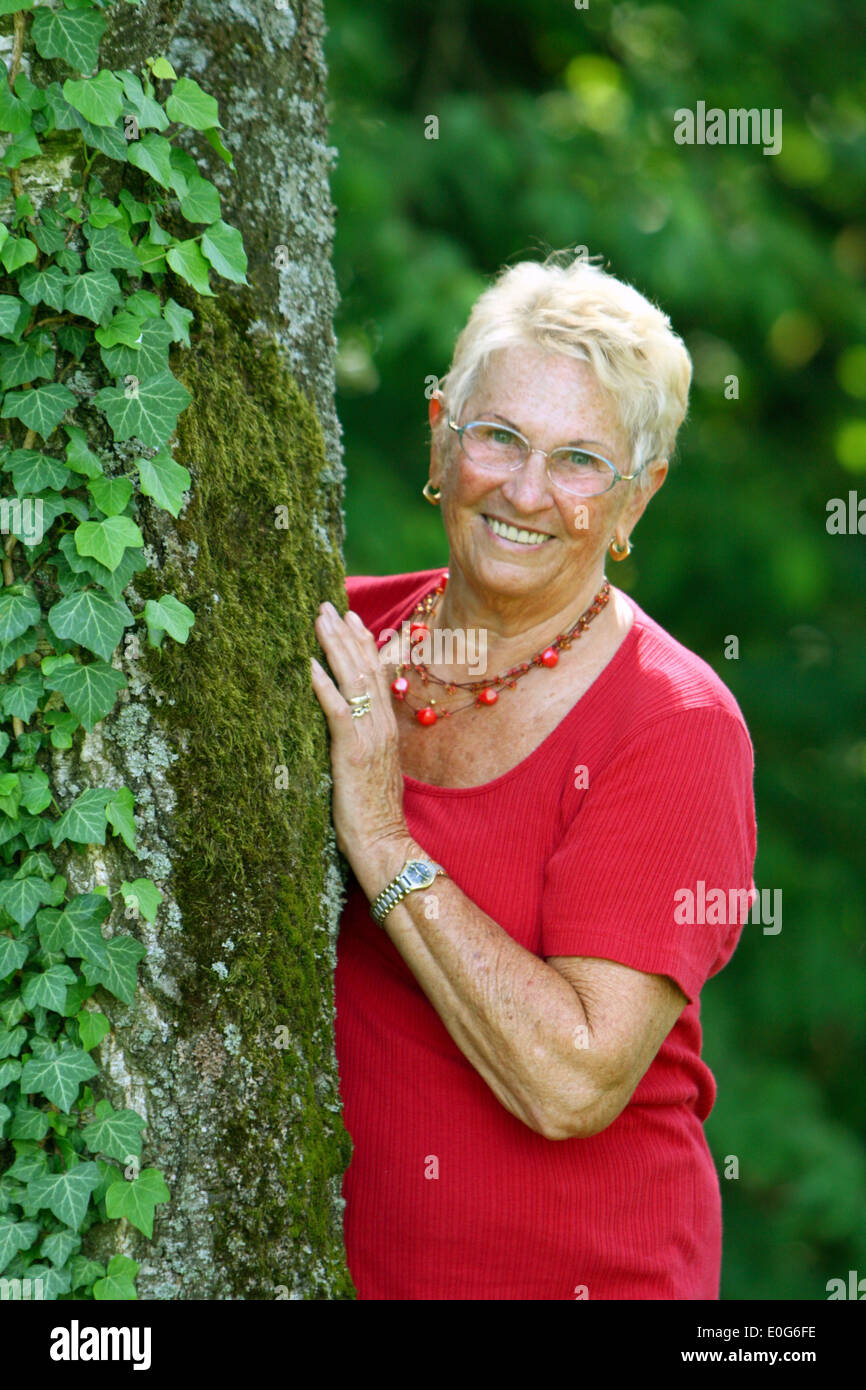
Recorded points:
502,449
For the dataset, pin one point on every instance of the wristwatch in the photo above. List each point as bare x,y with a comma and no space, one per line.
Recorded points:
415,873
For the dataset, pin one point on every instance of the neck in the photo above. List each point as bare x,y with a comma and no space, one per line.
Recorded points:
515,624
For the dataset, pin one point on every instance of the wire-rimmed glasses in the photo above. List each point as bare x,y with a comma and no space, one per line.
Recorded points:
500,448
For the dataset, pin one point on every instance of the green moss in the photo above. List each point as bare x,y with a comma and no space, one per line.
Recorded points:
248,859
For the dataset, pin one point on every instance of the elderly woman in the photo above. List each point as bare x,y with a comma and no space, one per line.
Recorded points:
518,982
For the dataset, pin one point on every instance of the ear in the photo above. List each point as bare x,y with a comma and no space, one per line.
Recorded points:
435,407
637,505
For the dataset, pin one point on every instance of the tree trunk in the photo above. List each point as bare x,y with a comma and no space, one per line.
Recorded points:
228,1049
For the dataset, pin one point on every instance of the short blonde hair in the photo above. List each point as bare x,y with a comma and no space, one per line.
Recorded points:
577,309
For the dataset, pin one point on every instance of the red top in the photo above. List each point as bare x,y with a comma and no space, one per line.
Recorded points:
449,1195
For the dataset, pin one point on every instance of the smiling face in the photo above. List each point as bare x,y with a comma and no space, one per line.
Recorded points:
552,400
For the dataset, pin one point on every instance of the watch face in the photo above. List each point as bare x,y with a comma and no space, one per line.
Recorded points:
420,875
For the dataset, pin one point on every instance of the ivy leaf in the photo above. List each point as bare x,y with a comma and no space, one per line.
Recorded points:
57,1074
79,457
179,320
152,154
89,691
10,1070
92,1028
114,582
122,328
106,540
20,696
13,954
84,821
29,1123
119,812
15,1236
186,259
147,111
99,98
22,899
14,115
46,286
109,250
92,293
73,338
19,610
10,311
49,988
92,620
116,1133
120,974
105,138
34,472
67,1195
136,1200
111,495
104,213
147,356
10,793
36,793
167,615
164,480
17,251
201,202
23,146
118,1283
62,727
83,1271
223,245
30,1161
20,363
150,413
76,930
59,1246
40,409
72,35
192,106
142,893
11,1041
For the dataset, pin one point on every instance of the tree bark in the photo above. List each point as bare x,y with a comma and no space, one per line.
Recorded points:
228,1049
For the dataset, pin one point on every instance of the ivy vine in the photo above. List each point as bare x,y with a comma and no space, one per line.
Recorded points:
86,325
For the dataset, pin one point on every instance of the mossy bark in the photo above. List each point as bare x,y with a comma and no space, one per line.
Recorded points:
228,1049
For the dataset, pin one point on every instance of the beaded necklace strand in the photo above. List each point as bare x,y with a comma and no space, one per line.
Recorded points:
487,692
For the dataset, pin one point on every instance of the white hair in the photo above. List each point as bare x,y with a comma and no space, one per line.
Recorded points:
580,311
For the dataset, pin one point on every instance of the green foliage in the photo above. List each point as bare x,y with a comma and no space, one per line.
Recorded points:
83,297
555,128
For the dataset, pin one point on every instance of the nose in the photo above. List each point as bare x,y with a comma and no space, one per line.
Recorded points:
528,488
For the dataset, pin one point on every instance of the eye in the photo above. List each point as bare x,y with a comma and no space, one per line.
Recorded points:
498,435
578,458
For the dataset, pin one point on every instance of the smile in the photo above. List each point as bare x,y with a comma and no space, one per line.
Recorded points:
514,534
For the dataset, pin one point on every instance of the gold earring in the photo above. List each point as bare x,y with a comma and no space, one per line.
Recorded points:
432,494
620,553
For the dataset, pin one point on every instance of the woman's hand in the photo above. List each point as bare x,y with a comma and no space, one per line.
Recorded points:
367,805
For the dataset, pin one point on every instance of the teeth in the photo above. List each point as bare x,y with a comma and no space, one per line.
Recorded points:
511,533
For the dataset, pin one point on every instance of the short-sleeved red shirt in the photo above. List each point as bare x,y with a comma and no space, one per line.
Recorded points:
643,790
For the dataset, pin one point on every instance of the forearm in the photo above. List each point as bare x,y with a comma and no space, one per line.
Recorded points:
516,1019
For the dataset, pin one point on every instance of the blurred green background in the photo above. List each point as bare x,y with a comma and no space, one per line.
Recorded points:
556,128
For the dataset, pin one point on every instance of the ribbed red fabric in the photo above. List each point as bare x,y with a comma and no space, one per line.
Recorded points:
448,1195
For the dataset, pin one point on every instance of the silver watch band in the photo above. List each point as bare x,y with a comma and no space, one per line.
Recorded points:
415,874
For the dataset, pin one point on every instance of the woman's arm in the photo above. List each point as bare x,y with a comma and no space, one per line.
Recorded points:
562,1044
562,1054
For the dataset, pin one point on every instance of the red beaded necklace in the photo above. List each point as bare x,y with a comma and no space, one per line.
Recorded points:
485,692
